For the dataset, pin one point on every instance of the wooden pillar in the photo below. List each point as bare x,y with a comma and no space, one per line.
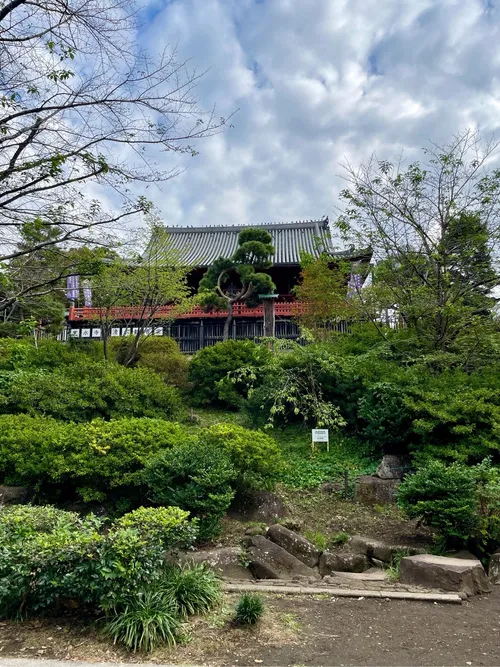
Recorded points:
202,335
269,318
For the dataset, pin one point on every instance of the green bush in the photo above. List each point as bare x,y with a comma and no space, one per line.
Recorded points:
88,390
387,420
462,503
249,609
75,559
444,497
254,455
197,478
23,354
159,354
20,522
209,368
166,525
294,387
91,459
455,416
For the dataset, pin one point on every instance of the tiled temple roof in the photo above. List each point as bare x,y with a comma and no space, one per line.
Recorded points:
200,246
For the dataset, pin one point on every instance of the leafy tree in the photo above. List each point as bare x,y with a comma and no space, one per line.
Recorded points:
323,289
239,278
75,92
33,284
145,284
433,228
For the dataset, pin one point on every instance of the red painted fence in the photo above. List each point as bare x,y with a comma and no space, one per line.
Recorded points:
281,309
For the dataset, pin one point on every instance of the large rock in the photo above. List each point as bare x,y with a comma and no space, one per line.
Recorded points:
376,550
13,495
494,568
259,506
343,561
463,555
267,560
448,574
371,490
295,544
391,467
227,562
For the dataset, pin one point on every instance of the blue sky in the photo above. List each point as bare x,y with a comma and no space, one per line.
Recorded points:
318,82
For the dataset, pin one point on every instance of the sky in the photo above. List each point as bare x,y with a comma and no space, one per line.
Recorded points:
315,83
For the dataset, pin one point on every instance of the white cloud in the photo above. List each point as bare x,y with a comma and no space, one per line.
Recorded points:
317,80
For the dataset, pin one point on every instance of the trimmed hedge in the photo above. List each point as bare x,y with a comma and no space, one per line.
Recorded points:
90,459
88,390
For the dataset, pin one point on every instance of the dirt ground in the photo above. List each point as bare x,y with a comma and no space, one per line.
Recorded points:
295,631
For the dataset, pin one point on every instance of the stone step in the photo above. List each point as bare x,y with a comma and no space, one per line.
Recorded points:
369,575
284,587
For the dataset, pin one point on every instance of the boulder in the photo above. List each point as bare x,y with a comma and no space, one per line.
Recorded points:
343,561
259,506
227,562
371,490
391,467
448,574
377,551
295,544
13,495
267,560
494,568
463,554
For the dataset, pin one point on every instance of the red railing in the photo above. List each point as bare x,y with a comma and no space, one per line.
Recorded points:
281,309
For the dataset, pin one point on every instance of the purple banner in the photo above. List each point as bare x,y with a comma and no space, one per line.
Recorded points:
87,293
355,282
72,287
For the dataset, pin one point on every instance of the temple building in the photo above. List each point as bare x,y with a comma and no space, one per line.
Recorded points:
198,247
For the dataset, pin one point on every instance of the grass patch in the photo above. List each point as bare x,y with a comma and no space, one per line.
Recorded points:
306,469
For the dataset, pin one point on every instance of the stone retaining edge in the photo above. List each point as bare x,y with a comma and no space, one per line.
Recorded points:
450,598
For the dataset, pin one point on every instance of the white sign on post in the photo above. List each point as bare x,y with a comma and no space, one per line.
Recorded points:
320,435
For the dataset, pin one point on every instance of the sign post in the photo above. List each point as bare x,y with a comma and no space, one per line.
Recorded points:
320,435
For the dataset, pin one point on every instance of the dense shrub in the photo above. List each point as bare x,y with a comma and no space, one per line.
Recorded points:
87,390
462,503
254,455
160,354
209,369
91,459
16,354
387,422
75,560
455,416
196,477
166,525
444,497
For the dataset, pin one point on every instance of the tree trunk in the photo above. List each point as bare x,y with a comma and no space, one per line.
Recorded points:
105,345
228,322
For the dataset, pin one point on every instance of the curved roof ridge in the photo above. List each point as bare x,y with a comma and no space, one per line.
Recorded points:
324,222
